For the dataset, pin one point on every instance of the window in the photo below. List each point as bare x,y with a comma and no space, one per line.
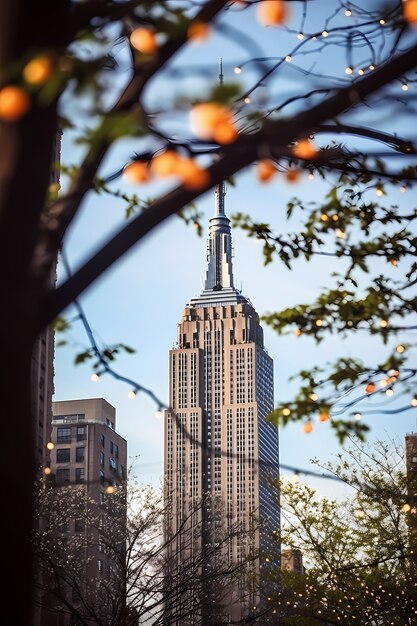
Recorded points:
112,464
102,497
81,433
62,476
102,459
79,455
101,477
79,475
100,566
101,544
114,450
63,455
102,440
64,435
79,526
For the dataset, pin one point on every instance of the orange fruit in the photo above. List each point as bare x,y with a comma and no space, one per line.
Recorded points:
308,427
304,149
193,177
165,163
144,40
14,103
272,12
225,133
323,416
370,387
198,31
136,172
265,170
39,70
410,11
209,117
292,176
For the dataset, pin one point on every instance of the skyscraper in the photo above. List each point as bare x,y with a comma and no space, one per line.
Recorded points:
217,440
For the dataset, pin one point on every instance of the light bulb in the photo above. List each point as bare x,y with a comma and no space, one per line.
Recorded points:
50,445
400,348
403,188
340,233
406,507
361,72
348,70
158,414
389,392
311,176
382,22
405,87
247,100
379,191
325,33
237,70
414,401
324,217
313,396
288,58
372,67
300,36
47,471
319,322
357,416
348,12
131,395
95,378
286,411
110,489
383,323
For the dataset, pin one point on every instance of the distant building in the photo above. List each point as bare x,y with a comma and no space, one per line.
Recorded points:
411,467
87,513
292,561
217,440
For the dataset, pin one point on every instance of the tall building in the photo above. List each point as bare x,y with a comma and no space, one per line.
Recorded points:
82,550
411,469
217,440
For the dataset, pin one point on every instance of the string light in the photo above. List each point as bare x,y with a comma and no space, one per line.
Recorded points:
335,218
358,416
237,70
47,471
361,72
389,392
286,411
405,87
131,395
382,22
297,332
300,36
319,322
288,58
403,188
324,217
247,100
400,348
406,507
307,427
383,323
158,414
372,67
313,396
370,387
50,445
348,70
414,401
110,489
340,233
360,513
95,378
310,176
348,12
325,33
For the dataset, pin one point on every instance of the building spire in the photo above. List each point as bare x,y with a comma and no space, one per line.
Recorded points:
219,245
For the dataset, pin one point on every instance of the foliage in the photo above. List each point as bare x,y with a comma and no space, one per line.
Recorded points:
358,549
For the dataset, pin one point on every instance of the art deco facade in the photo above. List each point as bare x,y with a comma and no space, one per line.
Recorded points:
217,440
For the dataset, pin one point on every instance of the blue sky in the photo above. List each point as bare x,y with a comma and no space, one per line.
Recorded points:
139,301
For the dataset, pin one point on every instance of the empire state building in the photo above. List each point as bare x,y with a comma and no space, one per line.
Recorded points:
217,440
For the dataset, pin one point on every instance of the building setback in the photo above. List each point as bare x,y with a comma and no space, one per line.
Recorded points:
87,512
217,440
